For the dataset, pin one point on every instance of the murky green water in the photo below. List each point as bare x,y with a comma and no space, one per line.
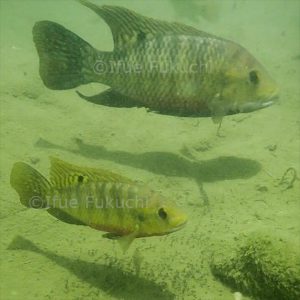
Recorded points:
240,188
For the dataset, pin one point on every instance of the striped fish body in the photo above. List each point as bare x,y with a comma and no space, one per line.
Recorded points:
166,67
107,206
97,198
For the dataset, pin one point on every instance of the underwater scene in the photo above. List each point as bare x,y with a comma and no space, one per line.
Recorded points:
150,149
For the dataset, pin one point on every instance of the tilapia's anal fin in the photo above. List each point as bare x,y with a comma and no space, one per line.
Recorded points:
31,186
64,217
65,58
129,27
111,98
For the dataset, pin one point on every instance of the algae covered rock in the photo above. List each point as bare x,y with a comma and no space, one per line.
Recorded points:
262,266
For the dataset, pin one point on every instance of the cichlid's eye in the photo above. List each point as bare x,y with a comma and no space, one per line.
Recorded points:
162,213
253,77
80,178
141,217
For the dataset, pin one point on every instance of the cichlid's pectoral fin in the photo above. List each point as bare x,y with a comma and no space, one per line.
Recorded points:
111,98
124,241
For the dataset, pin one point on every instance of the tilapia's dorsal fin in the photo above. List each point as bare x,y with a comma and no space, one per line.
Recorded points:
63,174
129,27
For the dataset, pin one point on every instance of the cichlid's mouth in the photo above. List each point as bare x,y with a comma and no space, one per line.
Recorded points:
178,227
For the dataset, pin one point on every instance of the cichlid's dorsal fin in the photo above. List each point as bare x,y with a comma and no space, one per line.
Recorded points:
63,174
129,27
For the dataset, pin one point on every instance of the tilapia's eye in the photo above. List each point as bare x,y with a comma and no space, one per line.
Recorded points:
162,213
253,77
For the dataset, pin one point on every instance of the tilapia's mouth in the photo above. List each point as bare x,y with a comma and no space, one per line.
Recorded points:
252,106
256,105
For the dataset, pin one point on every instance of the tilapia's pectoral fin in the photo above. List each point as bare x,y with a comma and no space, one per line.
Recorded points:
217,119
110,98
64,217
217,110
64,57
31,186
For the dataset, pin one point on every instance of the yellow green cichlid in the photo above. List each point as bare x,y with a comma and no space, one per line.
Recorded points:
97,198
169,68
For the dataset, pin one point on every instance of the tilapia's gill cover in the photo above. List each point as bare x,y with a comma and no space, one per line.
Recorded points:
97,198
166,67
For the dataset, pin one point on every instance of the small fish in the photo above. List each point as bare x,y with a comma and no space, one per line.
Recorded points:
169,68
97,198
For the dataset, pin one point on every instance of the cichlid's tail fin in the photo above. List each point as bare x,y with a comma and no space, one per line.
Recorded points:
66,60
31,186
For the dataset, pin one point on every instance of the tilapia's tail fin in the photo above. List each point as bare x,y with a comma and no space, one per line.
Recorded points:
31,186
66,60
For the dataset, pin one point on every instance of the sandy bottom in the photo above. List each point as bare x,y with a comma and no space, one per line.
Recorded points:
228,185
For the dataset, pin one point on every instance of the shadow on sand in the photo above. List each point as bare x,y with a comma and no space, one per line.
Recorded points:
169,164
110,279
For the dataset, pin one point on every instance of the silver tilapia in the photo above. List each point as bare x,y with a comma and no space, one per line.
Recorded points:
169,68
